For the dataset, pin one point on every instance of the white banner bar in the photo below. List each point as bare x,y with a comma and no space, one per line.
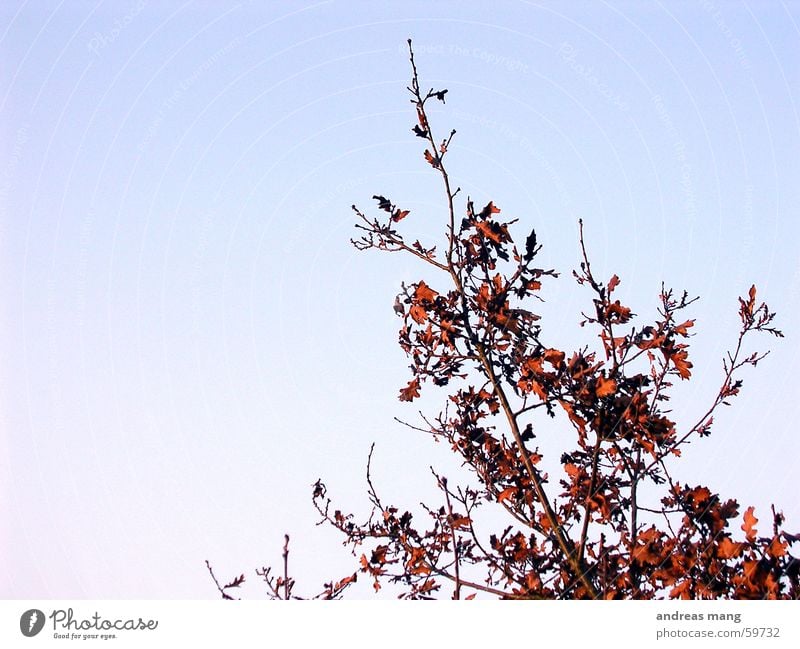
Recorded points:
389,624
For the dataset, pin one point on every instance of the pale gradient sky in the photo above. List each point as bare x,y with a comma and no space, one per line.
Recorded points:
188,339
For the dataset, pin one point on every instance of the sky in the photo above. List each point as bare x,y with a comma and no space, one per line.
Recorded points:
187,338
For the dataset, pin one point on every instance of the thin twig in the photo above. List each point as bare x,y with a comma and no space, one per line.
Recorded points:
456,558
286,588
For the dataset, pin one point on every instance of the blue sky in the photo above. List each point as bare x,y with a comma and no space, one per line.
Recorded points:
188,339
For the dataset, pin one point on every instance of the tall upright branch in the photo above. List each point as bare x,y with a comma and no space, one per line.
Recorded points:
562,539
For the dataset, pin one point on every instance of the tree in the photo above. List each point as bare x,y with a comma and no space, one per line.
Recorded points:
610,522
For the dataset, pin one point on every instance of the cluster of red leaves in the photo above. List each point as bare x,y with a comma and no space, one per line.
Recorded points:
614,524
604,532
702,560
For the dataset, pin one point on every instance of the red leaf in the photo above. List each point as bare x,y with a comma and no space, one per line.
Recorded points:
612,284
344,582
536,387
489,210
680,359
424,293
617,313
682,590
493,231
421,116
433,161
749,524
483,296
416,564
576,419
411,391
418,313
507,493
460,521
427,336
399,215
605,387
727,549
746,308
554,357
776,548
